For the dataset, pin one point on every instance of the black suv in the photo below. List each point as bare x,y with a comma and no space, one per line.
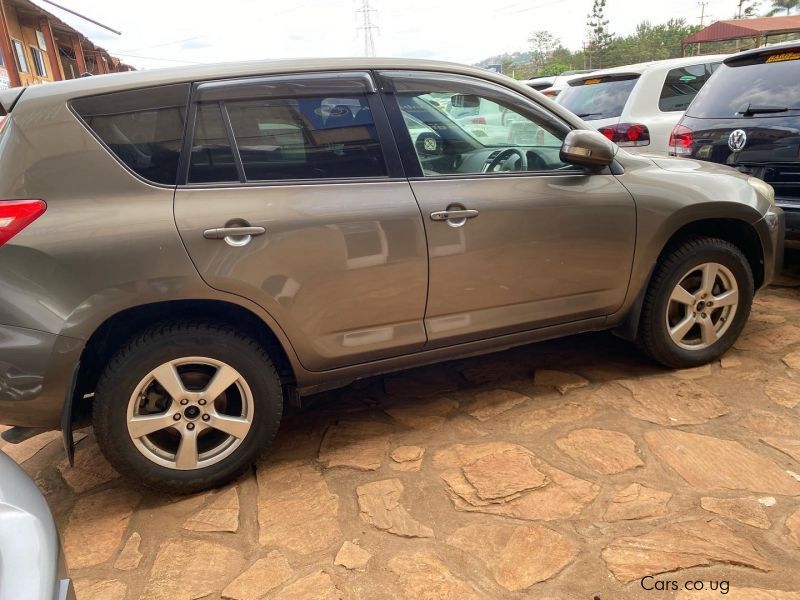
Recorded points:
748,116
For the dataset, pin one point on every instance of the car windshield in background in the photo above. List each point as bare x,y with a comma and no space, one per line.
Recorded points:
764,85
598,97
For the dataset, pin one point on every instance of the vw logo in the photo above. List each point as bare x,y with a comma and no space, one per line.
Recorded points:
737,140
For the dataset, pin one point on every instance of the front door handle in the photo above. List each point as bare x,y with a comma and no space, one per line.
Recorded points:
454,215
234,236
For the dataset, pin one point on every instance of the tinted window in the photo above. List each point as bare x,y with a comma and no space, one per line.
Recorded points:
142,128
750,82
306,138
455,133
682,85
212,157
598,98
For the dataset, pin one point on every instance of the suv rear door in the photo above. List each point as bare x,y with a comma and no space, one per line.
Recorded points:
335,247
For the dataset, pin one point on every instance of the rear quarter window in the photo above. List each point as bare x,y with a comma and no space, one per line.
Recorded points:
142,128
602,97
771,80
682,85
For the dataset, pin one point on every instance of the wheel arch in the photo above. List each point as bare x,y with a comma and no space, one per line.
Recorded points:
738,232
115,330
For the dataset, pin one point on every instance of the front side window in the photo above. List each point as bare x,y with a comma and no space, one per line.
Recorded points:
454,133
602,97
143,128
294,138
681,86
19,53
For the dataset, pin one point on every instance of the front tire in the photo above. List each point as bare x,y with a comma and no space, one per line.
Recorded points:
697,303
187,407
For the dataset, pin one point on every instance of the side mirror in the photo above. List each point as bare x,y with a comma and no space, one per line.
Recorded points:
587,148
465,101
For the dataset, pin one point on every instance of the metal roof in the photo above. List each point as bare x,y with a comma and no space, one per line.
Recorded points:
742,28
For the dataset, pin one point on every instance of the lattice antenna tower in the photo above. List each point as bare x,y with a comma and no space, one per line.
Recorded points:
366,15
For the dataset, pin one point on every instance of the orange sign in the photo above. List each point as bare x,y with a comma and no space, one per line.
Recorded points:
784,56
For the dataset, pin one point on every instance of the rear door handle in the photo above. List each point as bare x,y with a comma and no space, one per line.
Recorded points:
454,215
220,233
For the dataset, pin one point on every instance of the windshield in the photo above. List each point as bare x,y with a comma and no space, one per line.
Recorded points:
748,84
598,98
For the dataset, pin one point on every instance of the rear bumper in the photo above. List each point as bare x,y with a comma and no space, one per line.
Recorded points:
35,373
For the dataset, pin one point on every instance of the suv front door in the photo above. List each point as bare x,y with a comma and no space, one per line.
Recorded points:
517,239
293,196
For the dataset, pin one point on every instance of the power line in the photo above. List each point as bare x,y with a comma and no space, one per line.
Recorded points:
84,17
172,43
702,12
367,26
172,60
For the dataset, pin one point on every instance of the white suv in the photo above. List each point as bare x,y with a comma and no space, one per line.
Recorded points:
637,106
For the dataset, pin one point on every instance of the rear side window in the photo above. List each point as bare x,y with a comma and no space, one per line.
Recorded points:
770,80
290,138
682,85
142,128
602,97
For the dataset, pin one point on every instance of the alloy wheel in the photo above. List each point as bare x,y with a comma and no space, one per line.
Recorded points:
190,413
702,306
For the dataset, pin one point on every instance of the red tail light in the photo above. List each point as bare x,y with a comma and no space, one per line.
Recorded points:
681,140
627,134
16,215
478,120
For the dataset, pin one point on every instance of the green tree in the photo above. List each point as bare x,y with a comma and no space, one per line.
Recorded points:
600,38
553,69
649,42
779,6
747,10
543,44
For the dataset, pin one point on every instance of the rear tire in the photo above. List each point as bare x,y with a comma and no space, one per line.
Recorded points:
697,303
186,407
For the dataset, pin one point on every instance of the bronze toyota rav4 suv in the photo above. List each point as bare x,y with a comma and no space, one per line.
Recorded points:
184,250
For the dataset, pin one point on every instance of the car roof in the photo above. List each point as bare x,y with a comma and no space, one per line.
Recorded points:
98,84
670,63
763,49
549,78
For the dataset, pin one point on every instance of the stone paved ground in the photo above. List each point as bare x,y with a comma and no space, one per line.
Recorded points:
568,469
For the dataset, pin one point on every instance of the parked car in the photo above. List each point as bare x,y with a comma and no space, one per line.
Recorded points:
31,563
560,82
636,106
492,123
540,83
184,250
749,118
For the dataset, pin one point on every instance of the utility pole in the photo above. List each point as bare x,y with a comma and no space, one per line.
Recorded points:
702,12
366,13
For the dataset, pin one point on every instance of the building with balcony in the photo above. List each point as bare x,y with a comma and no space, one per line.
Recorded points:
37,47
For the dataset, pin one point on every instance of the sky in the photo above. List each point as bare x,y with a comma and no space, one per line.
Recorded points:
160,33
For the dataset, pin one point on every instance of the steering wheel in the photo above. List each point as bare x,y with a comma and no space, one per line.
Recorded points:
505,161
